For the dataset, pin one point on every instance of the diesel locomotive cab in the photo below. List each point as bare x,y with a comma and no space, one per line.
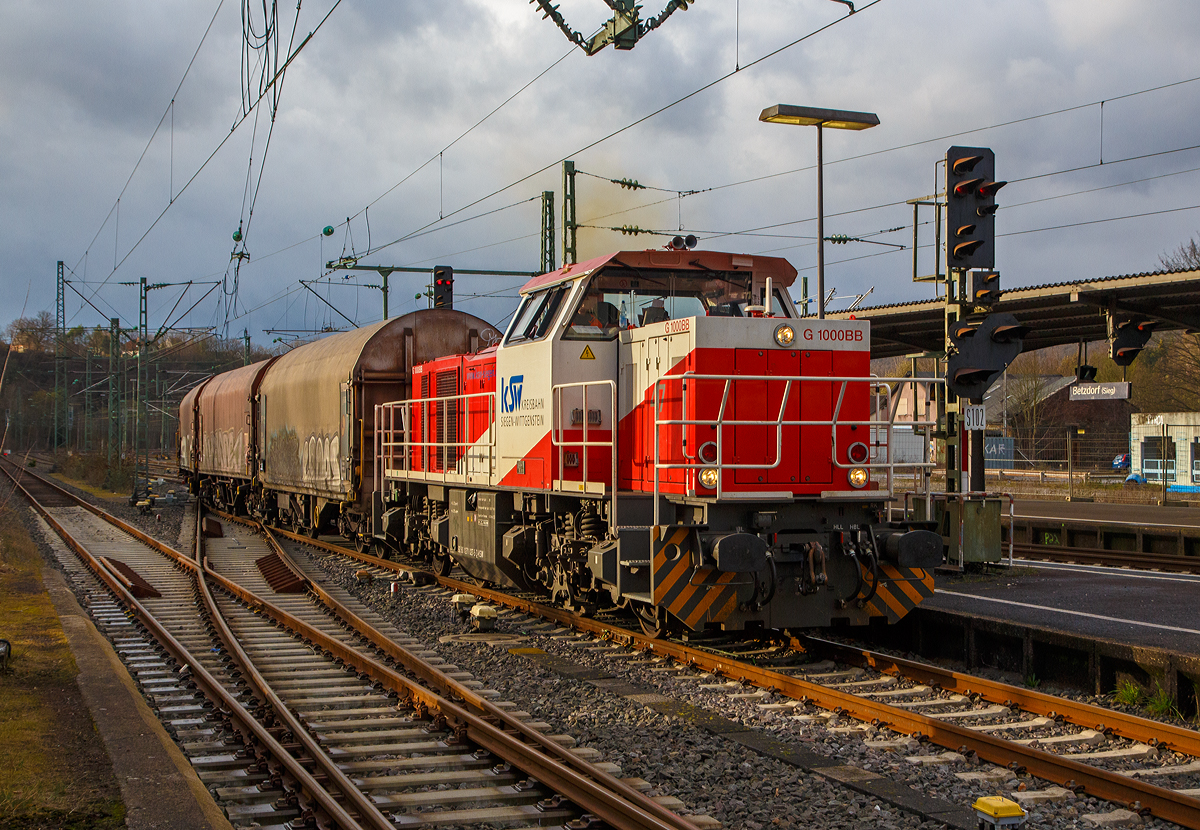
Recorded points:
660,429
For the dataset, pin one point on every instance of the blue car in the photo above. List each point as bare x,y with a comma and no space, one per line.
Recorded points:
1121,462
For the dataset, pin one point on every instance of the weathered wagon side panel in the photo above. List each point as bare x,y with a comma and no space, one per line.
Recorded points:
316,407
225,422
305,409
189,443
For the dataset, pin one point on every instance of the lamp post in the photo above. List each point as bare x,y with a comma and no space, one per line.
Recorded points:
819,118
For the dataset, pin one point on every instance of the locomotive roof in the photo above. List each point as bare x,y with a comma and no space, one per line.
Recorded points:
778,269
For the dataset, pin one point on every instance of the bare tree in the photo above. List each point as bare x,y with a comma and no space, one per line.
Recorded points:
1178,383
33,333
1184,258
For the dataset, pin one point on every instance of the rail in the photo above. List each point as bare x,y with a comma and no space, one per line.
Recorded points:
396,448
247,723
721,423
1096,781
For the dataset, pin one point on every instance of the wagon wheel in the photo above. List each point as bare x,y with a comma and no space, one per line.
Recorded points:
313,532
443,564
361,542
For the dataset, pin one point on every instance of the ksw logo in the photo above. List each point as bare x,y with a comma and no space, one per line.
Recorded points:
510,393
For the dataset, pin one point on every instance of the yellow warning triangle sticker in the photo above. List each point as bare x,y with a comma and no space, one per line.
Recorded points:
587,354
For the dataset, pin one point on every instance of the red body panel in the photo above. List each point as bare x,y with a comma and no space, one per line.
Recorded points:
805,465
463,420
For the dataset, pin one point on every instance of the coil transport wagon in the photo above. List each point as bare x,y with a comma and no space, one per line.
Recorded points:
284,439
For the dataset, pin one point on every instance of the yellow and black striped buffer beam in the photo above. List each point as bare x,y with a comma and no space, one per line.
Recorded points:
694,595
900,590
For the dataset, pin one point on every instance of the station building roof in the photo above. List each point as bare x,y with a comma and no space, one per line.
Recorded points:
1057,313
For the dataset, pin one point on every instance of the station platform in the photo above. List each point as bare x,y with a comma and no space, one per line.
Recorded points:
1076,627
1147,514
1146,609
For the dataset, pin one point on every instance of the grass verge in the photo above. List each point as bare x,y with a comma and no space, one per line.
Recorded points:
54,771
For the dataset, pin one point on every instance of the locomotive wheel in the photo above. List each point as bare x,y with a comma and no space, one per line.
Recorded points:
656,622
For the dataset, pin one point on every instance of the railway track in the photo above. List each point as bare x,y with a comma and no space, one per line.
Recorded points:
1080,747
298,706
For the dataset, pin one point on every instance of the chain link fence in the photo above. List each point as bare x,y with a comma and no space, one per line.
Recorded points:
1128,466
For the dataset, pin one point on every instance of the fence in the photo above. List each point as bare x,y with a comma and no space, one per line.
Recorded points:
1084,463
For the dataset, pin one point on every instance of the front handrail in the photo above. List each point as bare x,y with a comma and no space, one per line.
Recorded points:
558,437
778,422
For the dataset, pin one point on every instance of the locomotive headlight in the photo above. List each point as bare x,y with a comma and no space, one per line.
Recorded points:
785,335
708,477
858,478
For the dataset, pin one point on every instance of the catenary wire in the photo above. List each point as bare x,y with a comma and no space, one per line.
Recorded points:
222,142
157,127
633,123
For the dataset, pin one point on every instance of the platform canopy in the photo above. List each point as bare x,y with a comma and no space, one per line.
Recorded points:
1057,314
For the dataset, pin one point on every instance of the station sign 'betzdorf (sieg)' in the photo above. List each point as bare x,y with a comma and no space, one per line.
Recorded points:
1100,392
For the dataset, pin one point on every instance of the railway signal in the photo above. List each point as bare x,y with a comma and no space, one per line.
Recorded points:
1127,338
443,286
971,207
983,287
983,349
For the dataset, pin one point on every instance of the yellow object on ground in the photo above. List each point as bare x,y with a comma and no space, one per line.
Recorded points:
998,811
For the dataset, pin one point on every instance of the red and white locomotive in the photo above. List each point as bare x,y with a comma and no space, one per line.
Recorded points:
658,429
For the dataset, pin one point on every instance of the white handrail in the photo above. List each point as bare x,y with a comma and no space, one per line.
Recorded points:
778,422
558,439
390,438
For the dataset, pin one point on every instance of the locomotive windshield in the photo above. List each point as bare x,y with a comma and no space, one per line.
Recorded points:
620,298
536,315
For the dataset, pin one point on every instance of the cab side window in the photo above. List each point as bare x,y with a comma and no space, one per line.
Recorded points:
536,315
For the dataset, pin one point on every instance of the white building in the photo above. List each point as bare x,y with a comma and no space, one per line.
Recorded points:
1169,440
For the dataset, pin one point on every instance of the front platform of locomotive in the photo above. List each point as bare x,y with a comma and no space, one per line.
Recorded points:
752,446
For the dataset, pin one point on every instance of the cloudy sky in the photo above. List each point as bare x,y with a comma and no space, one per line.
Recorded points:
378,123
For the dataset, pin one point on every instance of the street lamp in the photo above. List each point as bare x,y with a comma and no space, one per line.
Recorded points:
817,117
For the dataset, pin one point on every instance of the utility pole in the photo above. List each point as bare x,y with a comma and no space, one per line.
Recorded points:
162,407
87,400
548,259
114,413
60,368
570,226
142,425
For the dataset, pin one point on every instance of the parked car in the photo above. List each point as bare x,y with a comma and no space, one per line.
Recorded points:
1121,462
